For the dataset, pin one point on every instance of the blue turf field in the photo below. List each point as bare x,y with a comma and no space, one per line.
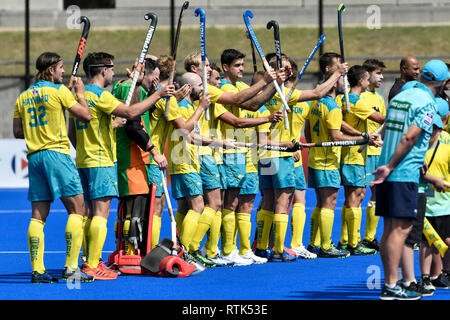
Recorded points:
353,278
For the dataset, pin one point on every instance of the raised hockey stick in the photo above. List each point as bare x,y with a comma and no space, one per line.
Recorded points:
80,49
341,9
255,67
300,75
148,39
201,13
248,14
174,52
276,35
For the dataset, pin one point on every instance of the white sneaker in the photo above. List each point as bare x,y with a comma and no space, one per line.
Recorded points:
303,253
237,259
251,256
220,261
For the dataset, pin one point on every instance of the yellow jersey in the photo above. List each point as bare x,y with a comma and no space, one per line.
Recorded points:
376,101
360,111
96,140
160,125
279,133
42,111
227,130
299,114
324,115
183,156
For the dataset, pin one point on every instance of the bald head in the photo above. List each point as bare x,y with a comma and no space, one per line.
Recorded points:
195,81
409,68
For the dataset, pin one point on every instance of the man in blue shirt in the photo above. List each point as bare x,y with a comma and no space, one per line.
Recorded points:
409,123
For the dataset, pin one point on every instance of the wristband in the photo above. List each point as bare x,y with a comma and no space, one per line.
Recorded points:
151,148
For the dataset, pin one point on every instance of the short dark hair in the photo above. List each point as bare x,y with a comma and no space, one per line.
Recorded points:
95,61
326,59
374,64
229,55
214,66
356,73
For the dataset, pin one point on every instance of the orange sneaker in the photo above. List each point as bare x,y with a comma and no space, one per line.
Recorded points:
98,273
104,266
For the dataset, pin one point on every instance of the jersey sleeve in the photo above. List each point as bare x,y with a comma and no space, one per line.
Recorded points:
108,102
219,110
423,117
362,110
214,93
66,97
17,113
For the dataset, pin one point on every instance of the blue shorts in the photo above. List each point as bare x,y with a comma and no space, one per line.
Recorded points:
251,183
353,175
397,199
235,167
209,173
371,165
154,176
52,175
186,185
300,183
99,182
323,178
223,177
276,173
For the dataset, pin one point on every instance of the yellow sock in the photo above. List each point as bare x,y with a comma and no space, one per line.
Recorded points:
156,230
204,223
314,240
264,219
297,224
228,224
280,222
97,236
245,229
353,218
74,239
126,234
213,235
236,229
36,244
189,227
85,244
344,226
371,221
179,217
326,227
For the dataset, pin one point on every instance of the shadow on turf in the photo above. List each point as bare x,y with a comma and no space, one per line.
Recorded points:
356,291
25,277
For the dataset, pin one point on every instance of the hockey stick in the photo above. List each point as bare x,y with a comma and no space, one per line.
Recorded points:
80,49
255,67
300,75
174,52
248,14
173,226
154,20
276,35
341,9
297,146
199,11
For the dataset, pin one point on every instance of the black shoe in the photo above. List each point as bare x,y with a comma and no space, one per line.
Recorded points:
44,277
441,282
426,283
342,246
371,244
75,275
419,288
332,252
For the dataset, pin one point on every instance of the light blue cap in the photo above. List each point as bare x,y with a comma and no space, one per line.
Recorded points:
435,70
442,107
